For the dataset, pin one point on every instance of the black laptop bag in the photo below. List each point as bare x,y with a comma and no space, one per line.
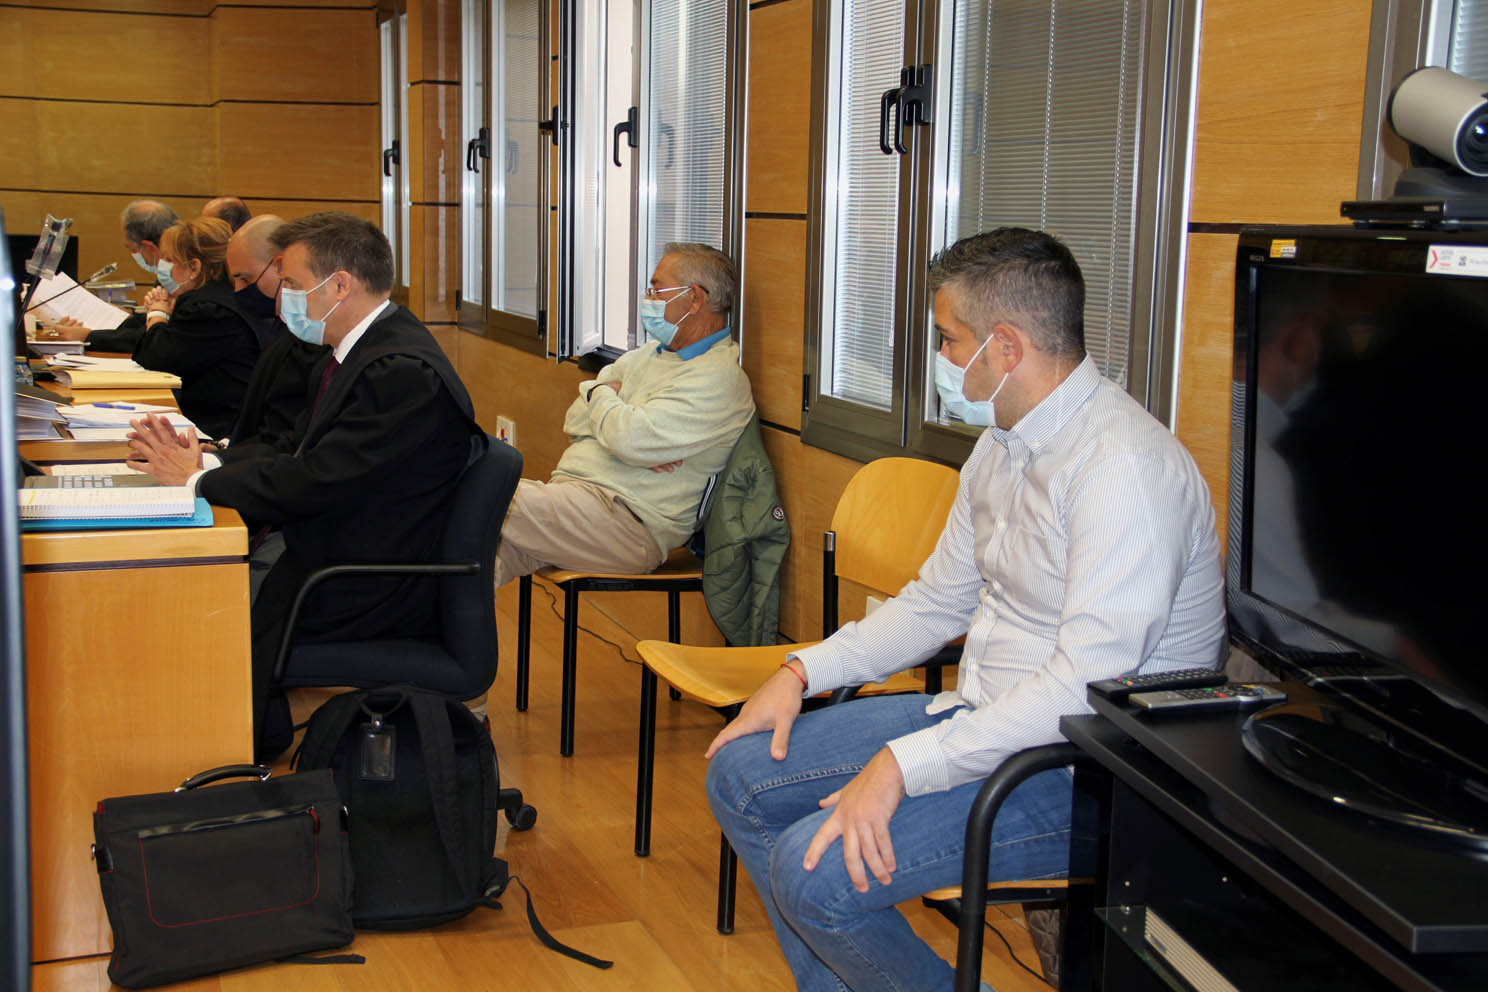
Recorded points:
201,880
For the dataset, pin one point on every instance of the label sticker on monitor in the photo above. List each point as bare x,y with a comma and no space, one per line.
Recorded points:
1283,248
1458,260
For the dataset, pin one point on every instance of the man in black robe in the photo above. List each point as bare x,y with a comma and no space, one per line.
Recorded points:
143,222
230,209
368,471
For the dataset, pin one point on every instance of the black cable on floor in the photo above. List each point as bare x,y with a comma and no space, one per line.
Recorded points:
1016,960
553,605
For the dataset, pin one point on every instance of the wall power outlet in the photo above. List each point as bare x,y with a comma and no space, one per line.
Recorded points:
506,430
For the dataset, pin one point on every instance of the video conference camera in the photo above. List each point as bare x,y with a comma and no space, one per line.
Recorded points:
1446,115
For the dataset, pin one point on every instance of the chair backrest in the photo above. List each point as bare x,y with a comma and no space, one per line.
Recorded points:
888,520
467,603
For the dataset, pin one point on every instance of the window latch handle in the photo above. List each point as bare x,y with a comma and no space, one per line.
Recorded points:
629,128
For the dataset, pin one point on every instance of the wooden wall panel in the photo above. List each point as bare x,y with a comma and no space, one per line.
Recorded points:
95,224
1281,90
532,390
65,55
319,152
778,124
1207,362
254,46
436,155
196,8
290,209
435,273
98,147
433,40
774,283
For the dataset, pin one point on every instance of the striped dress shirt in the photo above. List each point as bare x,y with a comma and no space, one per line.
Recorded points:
1080,546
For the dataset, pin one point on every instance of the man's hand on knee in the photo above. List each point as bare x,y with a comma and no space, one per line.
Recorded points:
774,707
861,817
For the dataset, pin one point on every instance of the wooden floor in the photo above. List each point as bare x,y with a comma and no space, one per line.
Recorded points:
653,916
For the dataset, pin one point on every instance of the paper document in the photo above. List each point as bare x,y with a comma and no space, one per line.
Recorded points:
119,415
58,299
35,429
94,362
94,468
145,501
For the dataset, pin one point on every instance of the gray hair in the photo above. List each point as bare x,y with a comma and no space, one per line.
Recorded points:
146,220
705,266
1014,275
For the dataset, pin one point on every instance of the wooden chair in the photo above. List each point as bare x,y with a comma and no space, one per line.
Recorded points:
884,527
1074,896
680,572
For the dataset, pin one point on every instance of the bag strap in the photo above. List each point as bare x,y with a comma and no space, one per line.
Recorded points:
323,959
499,879
437,740
321,739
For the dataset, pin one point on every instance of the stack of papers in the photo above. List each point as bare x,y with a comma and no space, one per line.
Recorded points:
110,421
60,296
88,372
37,414
46,346
94,468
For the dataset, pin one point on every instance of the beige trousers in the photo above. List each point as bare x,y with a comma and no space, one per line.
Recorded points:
575,525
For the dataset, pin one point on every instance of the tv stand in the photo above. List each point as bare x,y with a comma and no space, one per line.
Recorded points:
1269,885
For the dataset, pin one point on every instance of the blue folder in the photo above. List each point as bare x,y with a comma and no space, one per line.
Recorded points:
202,517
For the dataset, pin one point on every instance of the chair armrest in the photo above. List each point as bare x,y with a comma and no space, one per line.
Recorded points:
984,808
321,575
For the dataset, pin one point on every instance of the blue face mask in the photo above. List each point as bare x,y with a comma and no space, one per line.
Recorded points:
293,310
653,317
139,260
950,380
164,277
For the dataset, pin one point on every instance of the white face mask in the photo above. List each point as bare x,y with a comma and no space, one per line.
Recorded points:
294,311
950,384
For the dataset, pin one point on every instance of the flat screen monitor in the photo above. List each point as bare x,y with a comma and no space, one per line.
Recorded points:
1355,531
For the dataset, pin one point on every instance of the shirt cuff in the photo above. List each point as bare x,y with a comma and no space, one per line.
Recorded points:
823,670
195,480
922,764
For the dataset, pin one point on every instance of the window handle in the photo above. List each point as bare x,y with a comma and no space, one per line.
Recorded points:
476,149
551,125
888,102
513,156
627,127
390,158
915,106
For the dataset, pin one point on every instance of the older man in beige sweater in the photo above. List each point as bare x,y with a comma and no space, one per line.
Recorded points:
645,435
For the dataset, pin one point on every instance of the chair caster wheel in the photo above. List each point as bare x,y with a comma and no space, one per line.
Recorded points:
522,818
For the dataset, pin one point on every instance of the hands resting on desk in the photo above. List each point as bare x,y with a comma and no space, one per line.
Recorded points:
157,448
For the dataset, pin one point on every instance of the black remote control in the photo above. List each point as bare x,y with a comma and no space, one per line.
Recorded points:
1230,696
1185,678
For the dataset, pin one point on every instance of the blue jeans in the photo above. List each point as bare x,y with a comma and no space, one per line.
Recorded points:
832,936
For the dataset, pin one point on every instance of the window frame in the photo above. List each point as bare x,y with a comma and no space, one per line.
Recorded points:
393,188
1160,205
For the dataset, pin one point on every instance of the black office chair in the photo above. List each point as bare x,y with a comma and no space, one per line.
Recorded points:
460,660
967,906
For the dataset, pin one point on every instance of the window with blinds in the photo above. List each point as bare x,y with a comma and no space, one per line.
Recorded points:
861,221
940,119
1045,103
684,134
517,234
1469,45
472,131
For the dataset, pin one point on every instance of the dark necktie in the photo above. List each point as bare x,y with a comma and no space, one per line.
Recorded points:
325,378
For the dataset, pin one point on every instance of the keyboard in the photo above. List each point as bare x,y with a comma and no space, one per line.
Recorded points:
95,481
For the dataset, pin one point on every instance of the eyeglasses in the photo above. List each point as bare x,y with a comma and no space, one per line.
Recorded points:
654,292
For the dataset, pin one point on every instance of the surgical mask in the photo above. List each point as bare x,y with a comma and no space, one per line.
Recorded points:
293,308
139,260
950,381
653,317
164,277
253,301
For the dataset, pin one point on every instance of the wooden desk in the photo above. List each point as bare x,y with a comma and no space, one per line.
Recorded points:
137,676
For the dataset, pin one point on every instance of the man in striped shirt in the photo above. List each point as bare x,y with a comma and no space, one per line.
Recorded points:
1081,546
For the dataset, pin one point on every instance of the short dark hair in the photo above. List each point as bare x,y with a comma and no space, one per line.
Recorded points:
341,242
230,209
1026,278
146,220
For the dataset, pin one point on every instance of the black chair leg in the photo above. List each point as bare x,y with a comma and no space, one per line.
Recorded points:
570,666
645,763
674,631
524,638
728,877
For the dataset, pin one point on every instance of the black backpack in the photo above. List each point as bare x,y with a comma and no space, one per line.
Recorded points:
417,772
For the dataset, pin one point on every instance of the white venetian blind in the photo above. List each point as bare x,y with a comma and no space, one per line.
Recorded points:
1469,50
683,125
861,222
1045,98
516,150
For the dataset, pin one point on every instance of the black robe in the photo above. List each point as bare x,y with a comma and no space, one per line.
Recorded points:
283,384
211,344
365,476
123,338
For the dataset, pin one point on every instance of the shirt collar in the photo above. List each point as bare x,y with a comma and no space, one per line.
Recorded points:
1039,425
355,334
698,347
